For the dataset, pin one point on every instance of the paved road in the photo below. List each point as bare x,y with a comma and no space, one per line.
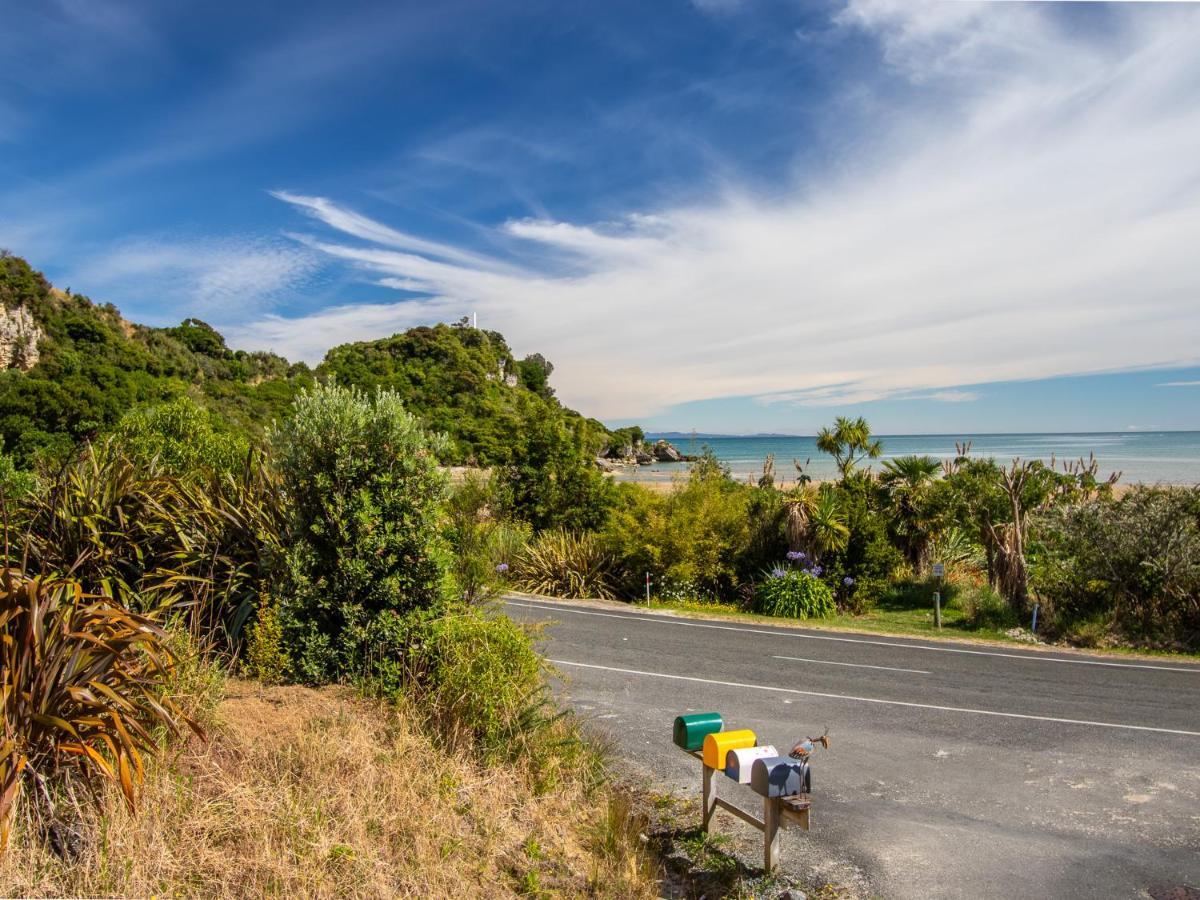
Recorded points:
957,770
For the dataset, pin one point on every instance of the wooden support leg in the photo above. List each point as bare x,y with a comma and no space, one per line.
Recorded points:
708,797
770,833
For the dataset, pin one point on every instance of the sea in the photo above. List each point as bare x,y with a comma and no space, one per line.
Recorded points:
1149,457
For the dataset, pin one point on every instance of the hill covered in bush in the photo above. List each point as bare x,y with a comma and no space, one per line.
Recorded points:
70,368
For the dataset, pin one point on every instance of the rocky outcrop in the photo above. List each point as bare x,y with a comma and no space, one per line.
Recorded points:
19,336
662,451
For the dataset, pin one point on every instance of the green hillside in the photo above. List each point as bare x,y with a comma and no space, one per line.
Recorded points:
71,368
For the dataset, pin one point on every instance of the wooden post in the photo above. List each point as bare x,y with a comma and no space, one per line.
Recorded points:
770,833
708,797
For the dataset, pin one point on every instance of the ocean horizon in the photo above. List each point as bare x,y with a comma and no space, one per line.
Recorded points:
1149,457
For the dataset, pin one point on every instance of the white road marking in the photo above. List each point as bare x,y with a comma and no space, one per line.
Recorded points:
959,709
782,632
829,662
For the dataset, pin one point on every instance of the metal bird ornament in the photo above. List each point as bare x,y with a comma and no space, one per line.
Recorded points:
806,746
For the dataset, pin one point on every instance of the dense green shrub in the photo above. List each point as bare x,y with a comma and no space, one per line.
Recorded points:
551,480
182,437
485,546
479,679
793,594
698,534
1129,567
565,564
364,496
869,559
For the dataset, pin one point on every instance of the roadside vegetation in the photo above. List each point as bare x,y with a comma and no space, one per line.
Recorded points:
1102,568
411,745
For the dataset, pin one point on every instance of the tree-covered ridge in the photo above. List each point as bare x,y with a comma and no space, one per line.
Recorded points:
465,383
92,366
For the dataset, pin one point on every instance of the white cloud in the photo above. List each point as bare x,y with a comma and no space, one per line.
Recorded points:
219,277
1035,214
1179,384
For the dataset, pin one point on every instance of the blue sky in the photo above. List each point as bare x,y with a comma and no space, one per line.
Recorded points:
732,215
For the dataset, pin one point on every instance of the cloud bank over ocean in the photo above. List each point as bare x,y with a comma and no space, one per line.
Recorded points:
1025,204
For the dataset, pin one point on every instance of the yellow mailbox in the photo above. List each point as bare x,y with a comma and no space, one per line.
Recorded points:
718,744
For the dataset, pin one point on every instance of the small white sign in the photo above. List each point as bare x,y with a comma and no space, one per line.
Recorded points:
938,570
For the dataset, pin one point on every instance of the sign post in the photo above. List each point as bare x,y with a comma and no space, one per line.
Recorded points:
939,572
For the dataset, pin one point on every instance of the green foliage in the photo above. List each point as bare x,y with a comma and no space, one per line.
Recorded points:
1130,565
364,497
793,594
479,679
565,564
534,373
868,557
698,534
148,537
266,655
623,441
984,608
553,482
464,383
182,437
95,367
15,484
485,546
908,483
82,684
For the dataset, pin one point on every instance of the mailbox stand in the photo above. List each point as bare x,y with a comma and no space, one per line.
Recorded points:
777,812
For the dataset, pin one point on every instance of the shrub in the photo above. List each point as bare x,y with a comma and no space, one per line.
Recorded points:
266,655
793,594
484,546
1133,563
869,558
984,608
149,537
361,480
181,437
565,564
81,680
478,678
552,480
699,534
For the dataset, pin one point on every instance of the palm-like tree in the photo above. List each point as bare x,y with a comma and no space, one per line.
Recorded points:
798,506
907,480
827,523
849,442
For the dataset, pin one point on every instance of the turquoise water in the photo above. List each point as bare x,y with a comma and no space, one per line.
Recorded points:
1169,457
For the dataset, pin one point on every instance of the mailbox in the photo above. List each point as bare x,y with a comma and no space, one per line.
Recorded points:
718,744
738,763
780,777
691,730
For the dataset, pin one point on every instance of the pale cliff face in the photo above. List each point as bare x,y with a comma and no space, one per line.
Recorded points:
19,336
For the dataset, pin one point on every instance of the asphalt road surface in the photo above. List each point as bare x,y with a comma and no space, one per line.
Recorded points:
957,770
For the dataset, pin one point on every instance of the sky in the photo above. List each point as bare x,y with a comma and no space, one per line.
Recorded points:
728,215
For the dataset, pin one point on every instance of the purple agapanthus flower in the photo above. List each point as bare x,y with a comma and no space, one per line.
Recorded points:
502,568
777,572
847,581
816,570
796,555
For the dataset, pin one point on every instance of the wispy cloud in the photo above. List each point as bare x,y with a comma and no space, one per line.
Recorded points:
1034,213
226,278
1179,384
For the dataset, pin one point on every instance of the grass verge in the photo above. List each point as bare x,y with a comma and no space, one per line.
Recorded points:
302,792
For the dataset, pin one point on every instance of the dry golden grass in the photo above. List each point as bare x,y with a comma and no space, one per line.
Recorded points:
319,793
